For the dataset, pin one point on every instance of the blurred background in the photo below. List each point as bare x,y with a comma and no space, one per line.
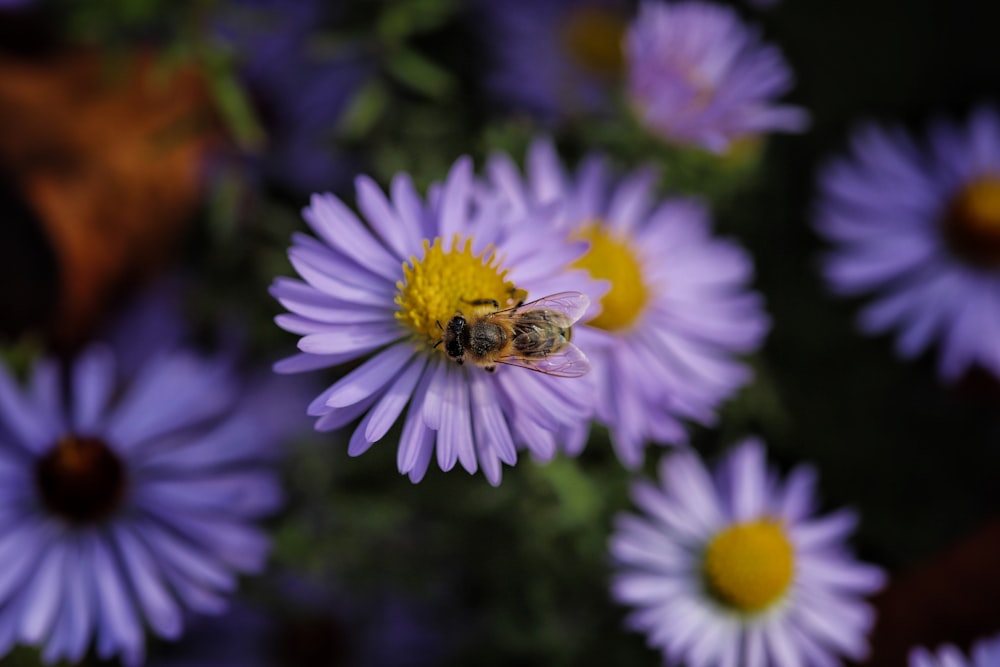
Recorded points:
141,139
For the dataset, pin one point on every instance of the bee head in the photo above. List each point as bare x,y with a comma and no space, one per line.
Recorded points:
453,337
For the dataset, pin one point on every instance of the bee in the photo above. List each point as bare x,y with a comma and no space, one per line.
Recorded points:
533,335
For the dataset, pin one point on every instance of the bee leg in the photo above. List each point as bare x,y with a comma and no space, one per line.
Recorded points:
485,302
460,361
490,369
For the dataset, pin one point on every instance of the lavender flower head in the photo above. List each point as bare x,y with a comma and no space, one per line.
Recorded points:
554,58
731,567
698,76
985,653
130,495
383,292
300,92
918,227
678,309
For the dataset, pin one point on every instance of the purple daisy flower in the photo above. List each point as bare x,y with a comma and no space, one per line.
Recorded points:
920,228
732,568
300,94
697,75
985,653
128,498
678,310
554,58
385,292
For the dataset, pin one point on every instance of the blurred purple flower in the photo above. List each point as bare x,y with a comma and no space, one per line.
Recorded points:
985,653
300,93
678,310
920,228
130,496
734,569
554,58
383,289
306,624
697,75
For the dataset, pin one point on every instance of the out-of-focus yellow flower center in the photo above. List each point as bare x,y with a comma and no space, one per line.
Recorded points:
749,566
593,37
443,282
612,258
972,221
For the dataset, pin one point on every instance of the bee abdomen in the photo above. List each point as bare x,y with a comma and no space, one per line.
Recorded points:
537,344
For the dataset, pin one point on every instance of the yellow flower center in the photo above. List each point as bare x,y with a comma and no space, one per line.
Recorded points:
613,259
972,221
593,37
748,566
444,282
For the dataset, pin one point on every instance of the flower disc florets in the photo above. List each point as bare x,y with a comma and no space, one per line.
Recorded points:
445,282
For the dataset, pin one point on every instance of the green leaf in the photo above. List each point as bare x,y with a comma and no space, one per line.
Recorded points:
417,72
402,19
364,111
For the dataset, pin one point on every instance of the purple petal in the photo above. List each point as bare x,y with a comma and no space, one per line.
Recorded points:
354,339
93,381
370,376
158,605
388,409
338,226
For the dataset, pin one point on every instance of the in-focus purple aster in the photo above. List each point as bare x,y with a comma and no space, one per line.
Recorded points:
732,568
985,653
300,92
698,76
554,58
384,291
679,308
129,497
918,228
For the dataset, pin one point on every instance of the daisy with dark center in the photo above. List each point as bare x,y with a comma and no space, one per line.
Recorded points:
679,308
985,653
732,569
127,499
554,58
386,291
698,76
918,227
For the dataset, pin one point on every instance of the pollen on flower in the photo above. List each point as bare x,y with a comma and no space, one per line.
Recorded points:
613,259
749,566
593,37
445,282
972,221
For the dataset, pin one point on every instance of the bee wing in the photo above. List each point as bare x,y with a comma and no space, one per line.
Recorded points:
572,305
569,362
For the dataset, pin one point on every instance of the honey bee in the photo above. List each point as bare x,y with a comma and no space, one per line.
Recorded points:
533,335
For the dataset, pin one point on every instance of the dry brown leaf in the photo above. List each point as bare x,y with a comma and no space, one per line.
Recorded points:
110,155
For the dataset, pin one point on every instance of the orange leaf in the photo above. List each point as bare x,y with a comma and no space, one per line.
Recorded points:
110,154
